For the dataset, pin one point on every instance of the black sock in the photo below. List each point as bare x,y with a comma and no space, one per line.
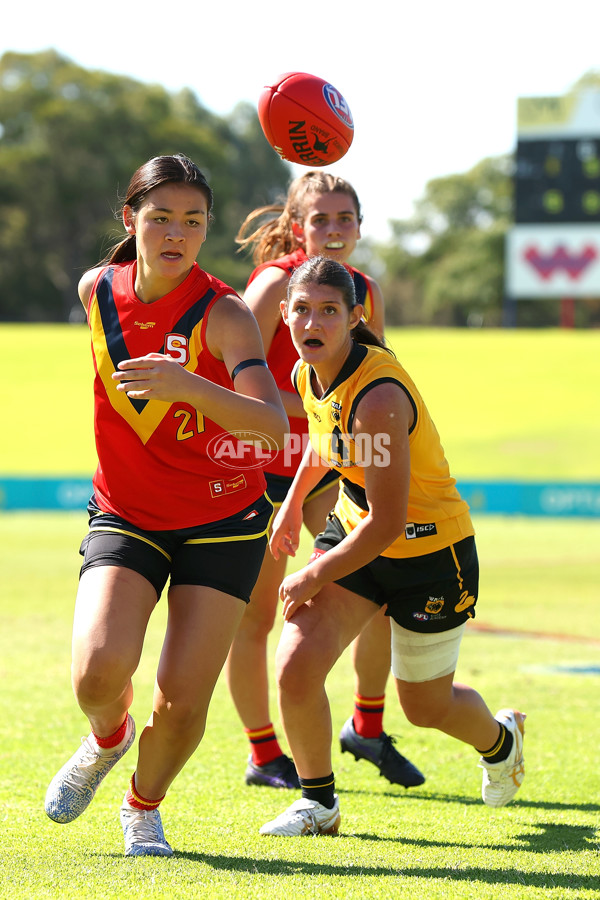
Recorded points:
501,748
321,790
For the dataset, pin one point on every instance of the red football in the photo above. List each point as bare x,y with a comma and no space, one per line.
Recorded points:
305,119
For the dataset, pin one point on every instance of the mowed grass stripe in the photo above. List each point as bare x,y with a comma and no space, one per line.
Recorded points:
508,403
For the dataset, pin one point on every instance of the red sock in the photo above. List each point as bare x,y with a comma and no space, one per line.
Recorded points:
264,744
113,739
368,715
135,799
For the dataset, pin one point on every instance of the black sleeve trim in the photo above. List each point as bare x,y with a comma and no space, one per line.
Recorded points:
246,363
373,384
357,494
294,375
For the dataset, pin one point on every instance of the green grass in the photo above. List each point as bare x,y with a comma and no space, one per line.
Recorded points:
508,404
437,841
519,404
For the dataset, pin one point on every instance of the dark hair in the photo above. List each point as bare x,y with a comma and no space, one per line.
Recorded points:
321,270
275,238
159,170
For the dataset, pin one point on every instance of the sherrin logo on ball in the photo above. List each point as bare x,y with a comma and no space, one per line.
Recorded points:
305,119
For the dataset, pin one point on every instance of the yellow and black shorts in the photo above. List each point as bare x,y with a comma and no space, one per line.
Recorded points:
430,593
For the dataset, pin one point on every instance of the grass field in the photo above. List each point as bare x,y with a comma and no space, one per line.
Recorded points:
507,404
437,841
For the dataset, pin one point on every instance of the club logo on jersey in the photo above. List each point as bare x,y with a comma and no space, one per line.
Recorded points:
434,605
241,449
336,411
176,345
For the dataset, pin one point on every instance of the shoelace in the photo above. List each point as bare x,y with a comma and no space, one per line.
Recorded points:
308,818
312,816
143,827
77,779
388,746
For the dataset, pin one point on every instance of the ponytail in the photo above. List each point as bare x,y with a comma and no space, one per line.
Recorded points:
124,251
362,334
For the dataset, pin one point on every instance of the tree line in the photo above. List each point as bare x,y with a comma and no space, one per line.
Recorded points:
69,135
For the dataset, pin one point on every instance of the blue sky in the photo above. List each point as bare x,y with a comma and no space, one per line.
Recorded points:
433,87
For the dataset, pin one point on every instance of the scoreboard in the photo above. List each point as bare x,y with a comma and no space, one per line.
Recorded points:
553,249
557,180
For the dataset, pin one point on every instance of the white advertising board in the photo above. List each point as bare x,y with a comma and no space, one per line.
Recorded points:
553,261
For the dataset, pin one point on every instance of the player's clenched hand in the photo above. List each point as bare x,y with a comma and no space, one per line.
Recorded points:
285,533
156,376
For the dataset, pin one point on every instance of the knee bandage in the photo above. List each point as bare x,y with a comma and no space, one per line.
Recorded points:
423,657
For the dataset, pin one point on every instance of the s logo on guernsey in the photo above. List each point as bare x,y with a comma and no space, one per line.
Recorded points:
241,450
176,345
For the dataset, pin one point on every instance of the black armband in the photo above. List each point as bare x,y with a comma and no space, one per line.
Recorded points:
244,365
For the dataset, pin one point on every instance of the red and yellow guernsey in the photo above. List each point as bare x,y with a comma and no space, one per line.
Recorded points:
437,516
283,356
155,467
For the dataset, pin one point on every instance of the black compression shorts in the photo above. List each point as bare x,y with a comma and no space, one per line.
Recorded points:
279,485
225,555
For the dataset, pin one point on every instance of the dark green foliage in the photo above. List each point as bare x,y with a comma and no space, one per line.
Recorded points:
446,264
70,139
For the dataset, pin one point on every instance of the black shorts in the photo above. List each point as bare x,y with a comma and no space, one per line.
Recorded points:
430,593
225,555
279,485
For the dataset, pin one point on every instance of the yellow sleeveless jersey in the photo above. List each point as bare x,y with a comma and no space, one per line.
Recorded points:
437,516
